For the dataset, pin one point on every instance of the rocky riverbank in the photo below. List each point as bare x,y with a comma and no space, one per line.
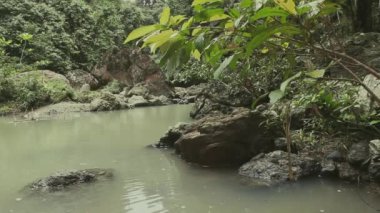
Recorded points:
123,80
227,133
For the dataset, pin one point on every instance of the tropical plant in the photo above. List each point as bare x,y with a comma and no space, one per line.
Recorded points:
230,35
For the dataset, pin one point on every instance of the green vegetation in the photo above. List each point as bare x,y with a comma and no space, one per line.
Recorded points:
62,35
58,35
260,43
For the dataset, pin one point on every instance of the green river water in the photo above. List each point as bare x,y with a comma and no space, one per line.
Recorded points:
146,180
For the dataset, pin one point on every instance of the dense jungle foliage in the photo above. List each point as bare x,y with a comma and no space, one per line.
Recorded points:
270,46
59,35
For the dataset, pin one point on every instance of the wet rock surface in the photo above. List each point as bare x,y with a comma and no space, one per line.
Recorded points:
374,166
358,153
273,168
67,179
222,140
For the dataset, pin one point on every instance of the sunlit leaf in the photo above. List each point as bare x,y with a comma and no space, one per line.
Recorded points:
219,17
165,16
175,20
246,3
268,12
196,54
276,95
287,5
200,2
140,32
316,73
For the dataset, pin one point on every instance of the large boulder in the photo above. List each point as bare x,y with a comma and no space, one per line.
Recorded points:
65,179
274,168
138,101
223,140
78,78
106,102
130,67
218,97
45,84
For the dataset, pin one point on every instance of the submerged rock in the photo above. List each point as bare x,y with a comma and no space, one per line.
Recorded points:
55,110
65,179
273,168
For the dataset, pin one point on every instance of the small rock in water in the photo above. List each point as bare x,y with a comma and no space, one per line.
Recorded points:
65,179
321,210
19,199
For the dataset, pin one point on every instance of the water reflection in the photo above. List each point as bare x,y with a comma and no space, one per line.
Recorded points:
138,200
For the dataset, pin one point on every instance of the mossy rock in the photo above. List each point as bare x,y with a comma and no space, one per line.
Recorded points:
38,88
114,87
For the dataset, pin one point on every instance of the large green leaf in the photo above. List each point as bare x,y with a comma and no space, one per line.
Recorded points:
165,16
199,42
157,40
257,40
218,17
140,32
176,20
265,34
223,66
187,24
200,2
276,95
246,3
268,12
287,5
285,84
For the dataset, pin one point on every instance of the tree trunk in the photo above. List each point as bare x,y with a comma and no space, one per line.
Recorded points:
364,15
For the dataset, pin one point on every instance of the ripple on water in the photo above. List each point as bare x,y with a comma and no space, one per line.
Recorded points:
138,198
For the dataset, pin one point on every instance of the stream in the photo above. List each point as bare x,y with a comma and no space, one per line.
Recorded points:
146,180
